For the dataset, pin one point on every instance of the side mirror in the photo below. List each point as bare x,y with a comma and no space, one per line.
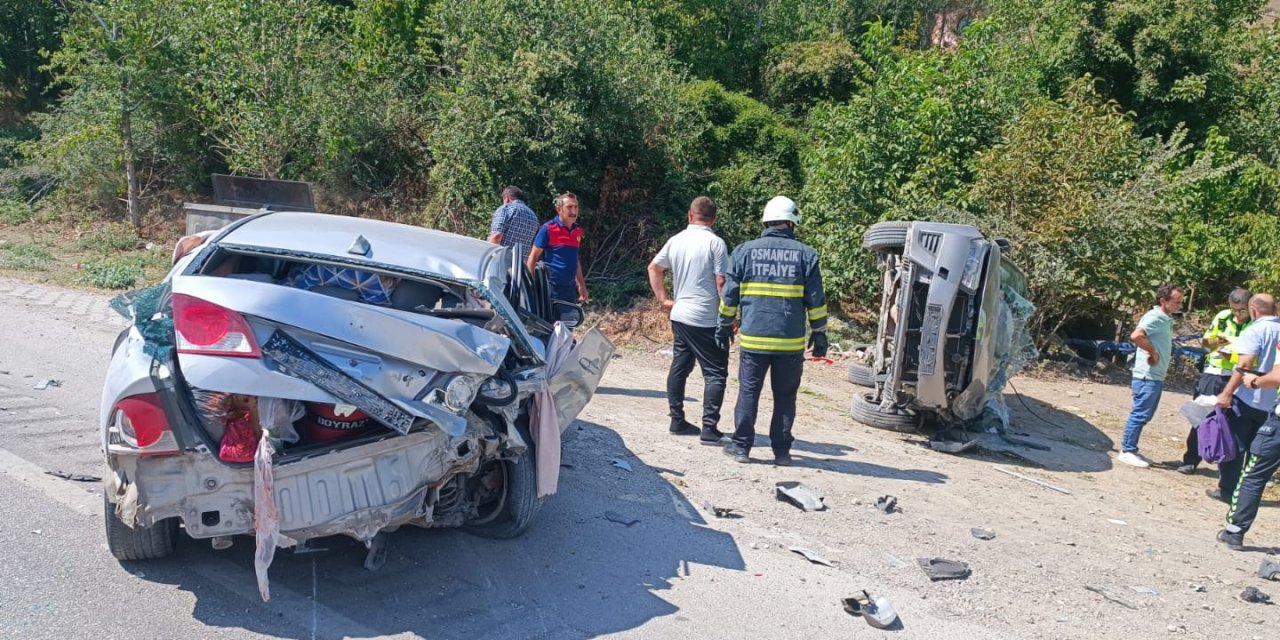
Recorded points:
569,313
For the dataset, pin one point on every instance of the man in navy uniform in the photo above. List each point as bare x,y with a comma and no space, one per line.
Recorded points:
774,288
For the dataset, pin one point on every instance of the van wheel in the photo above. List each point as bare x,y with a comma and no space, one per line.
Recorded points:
886,235
518,500
862,375
140,543
866,410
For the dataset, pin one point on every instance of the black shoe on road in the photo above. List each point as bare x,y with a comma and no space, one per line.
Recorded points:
782,459
683,428
1216,494
1187,469
1234,541
713,437
737,453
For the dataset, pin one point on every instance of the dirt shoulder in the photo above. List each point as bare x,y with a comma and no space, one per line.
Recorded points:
1129,552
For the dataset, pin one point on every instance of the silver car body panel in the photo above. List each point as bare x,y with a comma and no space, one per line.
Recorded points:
576,381
935,247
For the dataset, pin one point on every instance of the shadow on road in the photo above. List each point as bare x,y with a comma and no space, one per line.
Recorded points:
573,575
1074,443
636,393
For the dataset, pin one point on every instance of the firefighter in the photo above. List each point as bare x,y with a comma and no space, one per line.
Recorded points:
773,288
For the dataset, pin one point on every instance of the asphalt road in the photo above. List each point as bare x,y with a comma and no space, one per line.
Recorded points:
574,575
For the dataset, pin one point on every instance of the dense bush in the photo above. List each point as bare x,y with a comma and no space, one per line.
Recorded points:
1116,144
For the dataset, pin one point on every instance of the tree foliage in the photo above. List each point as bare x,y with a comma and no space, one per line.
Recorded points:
1118,144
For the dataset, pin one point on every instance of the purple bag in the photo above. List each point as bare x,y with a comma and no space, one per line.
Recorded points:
1214,438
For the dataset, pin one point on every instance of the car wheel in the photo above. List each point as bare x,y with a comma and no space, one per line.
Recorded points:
138,543
520,501
862,375
867,411
886,235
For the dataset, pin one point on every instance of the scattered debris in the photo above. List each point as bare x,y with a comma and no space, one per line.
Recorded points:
75,477
953,441
811,556
1269,570
1032,480
1108,597
1198,588
893,560
614,516
878,612
36,531
799,495
1146,590
982,534
622,464
1119,522
665,352
565,465
45,383
887,504
942,569
721,512
1255,596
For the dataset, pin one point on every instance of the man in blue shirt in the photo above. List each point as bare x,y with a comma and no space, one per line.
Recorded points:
514,223
1247,408
1154,339
558,243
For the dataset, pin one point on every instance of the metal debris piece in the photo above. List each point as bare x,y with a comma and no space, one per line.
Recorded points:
1254,595
799,495
1108,597
887,504
1119,522
45,383
811,556
982,534
942,569
1146,590
614,516
377,555
1032,480
622,464
1269,570
76,477
720,512
878,612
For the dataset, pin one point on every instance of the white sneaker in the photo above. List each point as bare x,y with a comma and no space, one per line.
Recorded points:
1132,458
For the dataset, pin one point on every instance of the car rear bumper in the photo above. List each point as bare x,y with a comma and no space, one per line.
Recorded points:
355,491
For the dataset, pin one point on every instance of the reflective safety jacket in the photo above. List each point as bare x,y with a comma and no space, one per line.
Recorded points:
1224,326
775,286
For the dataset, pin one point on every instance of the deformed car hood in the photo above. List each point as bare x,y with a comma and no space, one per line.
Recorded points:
436,343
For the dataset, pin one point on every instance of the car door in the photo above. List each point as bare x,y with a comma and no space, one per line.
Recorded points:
577,379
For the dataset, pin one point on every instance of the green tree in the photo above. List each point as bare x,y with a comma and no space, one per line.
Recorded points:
26,28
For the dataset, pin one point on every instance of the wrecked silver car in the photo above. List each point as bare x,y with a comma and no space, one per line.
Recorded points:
301,375
952,330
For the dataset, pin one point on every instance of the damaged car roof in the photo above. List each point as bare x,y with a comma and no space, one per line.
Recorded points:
391,243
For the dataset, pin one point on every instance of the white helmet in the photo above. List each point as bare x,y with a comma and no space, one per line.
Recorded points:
781,209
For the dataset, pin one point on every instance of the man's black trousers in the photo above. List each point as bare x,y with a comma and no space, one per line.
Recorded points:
1260,462
784,371
697,344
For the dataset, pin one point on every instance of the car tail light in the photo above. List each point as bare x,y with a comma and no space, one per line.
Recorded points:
205,328
144,425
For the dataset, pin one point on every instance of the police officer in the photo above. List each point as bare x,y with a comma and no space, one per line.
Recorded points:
774,286
1220,336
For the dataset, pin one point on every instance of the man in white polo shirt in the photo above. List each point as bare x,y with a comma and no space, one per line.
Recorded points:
697,259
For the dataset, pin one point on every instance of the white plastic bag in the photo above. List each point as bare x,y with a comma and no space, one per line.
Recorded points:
277,415
1195,411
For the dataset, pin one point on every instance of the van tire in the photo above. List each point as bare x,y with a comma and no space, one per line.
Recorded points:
862,375
883,236
138,543
865,410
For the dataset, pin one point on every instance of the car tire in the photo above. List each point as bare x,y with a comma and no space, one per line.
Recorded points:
883,236
522,502
865,410
138,543
862,375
